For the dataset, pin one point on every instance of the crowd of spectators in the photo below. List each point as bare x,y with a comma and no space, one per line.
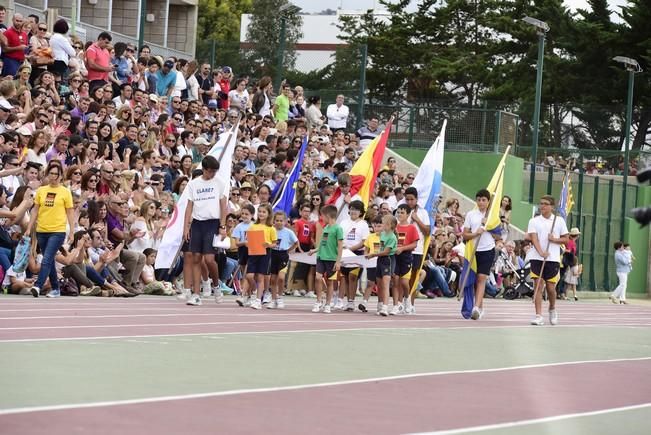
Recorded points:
99,139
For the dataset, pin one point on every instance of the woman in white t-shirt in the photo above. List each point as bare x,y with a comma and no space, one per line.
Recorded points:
239,97
147,232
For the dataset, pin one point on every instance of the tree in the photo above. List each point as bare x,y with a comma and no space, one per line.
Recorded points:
219,21
263,34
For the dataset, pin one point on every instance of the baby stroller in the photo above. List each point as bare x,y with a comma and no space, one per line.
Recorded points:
522,286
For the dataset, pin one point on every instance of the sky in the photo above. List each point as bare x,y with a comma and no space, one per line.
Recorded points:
312,6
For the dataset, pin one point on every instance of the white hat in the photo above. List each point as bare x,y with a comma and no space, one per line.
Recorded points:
5,104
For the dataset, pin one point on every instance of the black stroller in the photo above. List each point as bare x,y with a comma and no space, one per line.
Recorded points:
522,286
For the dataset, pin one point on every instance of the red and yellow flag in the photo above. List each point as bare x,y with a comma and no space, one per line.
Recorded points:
364,173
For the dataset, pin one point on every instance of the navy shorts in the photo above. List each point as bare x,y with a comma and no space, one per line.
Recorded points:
258,264
485,261
403,264
279,260
325,267
202,234
242,255
551,273
370,274
416,260
385,266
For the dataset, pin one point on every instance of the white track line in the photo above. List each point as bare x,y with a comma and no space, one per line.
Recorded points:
378,331
519,423
303,387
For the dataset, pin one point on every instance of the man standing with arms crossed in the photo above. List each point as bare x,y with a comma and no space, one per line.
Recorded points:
201,223
547,232
337,114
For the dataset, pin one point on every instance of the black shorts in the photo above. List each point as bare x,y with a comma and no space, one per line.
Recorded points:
242,255
202,234
370,274
325,267
346,270
403,264
549,274
258,264
279,260
416,260
484,261
385,266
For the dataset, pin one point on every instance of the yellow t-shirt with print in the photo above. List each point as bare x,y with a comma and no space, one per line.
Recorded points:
372,243
52,204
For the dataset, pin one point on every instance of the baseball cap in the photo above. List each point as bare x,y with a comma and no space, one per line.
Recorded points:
169,64
227,70
153,98
212,105
245,185
5,104
201,141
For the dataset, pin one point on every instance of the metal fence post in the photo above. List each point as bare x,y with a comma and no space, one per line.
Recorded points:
579,194
483,122
212,54
498,122
593,238
550,180
611,188
410,137
363,51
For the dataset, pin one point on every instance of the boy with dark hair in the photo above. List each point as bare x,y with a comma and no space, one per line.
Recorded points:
355,230
474,228
547,233
202,222
328,259
407,241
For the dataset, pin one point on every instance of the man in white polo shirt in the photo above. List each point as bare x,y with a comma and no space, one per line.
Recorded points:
337,114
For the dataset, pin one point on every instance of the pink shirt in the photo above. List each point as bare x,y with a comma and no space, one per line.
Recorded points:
100,56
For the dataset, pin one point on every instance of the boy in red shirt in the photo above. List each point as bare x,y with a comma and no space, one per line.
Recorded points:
407,240
306,232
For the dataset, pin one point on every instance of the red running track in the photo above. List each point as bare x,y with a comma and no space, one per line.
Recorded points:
417,404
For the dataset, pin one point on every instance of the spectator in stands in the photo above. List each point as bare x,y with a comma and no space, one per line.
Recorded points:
337,115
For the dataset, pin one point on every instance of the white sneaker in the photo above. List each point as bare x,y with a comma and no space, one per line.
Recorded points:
481,313
256,304
316,307
35,291
362,307
310,295
248,301
475,313
297,294
553,317
194,300
410,310
340,305
219,297
379,306
326,309
397,310
384,311
614,300
272,305
350,306
184,295
280,304
538,321
266,297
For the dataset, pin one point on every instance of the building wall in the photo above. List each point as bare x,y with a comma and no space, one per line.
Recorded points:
96,15
181,27
155,31
125,17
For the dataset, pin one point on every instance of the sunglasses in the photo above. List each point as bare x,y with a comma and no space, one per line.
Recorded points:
92,180
42,29
94,149
76,173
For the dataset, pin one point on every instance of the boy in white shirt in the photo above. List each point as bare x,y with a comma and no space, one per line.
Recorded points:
356,230
547,232
473,228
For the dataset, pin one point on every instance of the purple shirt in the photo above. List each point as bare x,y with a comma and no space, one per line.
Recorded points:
52,153
111,223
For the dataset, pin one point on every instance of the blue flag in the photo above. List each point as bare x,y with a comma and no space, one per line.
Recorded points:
288,191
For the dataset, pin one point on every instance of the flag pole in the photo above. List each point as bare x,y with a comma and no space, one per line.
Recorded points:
464,278
230,133
542,267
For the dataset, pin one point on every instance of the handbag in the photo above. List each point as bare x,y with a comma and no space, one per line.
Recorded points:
68,287
21,257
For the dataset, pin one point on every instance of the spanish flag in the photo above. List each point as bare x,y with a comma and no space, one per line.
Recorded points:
364,173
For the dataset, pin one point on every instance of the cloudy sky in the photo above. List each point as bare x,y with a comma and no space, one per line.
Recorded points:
312,6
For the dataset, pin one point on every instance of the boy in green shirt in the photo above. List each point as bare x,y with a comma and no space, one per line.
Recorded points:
386,261
328,257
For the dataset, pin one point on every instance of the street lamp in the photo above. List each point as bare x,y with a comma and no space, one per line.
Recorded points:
632,67
541,28
285,10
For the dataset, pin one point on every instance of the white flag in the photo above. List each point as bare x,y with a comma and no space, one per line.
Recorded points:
173,236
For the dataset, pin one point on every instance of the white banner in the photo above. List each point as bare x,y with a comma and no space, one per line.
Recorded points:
348,259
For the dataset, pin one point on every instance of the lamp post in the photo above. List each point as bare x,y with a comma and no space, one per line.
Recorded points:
285,10
141,27
541,28
632,67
